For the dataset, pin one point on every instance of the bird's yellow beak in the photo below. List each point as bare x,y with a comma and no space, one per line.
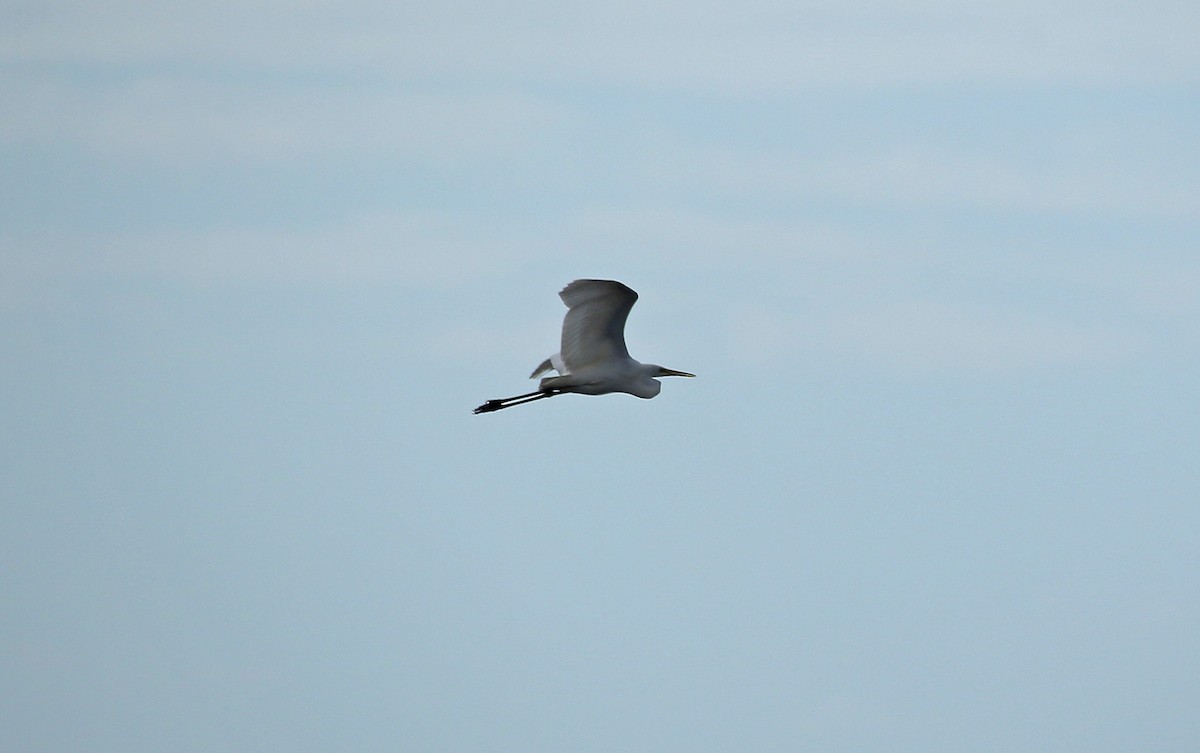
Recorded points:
673,372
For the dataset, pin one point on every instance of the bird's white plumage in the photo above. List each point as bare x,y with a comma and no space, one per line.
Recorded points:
593,359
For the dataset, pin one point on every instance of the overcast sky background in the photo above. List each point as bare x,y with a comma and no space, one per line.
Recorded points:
934,490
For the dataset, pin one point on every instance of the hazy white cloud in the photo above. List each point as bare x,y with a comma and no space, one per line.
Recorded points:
183,120
950,178
1130,168
929,337
693,239
924,338
707,45
448,86
399,249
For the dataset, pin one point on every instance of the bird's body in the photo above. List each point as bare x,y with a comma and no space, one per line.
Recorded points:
593,359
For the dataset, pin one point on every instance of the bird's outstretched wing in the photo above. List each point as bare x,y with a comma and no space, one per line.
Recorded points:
594,328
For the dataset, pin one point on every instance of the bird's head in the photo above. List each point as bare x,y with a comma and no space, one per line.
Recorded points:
647,384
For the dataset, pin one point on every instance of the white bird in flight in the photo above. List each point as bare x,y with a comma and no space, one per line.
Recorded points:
593,359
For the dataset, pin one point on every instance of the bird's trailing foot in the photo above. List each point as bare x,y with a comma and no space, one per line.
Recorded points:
489,406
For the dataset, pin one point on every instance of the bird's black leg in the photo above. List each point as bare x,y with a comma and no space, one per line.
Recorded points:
508,402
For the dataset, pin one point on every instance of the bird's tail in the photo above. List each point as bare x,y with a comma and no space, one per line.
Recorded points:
553,363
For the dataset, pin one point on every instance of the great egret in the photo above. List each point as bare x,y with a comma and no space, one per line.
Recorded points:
593,359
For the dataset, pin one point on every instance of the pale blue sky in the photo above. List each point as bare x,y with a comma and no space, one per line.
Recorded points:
934,490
